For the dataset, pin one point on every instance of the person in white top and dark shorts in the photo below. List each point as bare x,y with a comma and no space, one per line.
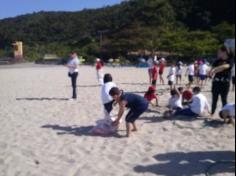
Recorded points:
107,100
73,73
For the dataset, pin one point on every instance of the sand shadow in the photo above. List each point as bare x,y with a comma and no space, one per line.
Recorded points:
186,164
42,99
77,131
215,123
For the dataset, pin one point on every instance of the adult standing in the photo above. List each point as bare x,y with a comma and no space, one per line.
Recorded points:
73,73
222,77
99,69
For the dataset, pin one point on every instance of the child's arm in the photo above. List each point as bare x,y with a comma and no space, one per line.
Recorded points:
121,112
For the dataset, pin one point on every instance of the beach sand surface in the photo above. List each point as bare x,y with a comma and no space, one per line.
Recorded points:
44,134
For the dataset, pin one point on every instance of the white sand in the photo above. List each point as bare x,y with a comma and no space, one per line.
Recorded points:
49,136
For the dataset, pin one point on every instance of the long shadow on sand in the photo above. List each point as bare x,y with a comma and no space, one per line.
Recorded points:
187,164
42,99
77,131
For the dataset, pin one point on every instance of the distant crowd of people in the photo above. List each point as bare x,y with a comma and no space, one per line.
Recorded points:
188,101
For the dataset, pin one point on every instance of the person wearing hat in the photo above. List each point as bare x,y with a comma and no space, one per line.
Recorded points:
151,96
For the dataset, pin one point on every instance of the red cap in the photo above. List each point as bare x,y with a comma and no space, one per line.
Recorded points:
152,88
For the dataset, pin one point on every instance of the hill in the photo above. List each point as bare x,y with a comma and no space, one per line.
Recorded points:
185,27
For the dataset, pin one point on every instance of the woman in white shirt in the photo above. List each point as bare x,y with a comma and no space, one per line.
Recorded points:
73,73
107,100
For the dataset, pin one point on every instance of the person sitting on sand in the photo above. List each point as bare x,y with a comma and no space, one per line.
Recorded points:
187,95
137,105
106,98
175,103
197,108
151,96
228,113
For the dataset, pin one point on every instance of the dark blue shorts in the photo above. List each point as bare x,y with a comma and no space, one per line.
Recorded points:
186,113
191,78
109,107
133,115
203,77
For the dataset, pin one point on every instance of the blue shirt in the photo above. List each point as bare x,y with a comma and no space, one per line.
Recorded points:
135,102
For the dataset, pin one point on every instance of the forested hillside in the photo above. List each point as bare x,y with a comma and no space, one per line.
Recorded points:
187,28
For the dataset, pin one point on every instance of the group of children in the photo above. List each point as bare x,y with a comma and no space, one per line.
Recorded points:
185,102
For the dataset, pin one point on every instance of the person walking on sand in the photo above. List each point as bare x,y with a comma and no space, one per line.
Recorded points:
99,69
137,105
73,73
221,73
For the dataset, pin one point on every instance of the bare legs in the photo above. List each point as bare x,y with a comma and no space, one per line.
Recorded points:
130,129
162,80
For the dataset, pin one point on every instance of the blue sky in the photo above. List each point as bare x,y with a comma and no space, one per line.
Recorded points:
12,8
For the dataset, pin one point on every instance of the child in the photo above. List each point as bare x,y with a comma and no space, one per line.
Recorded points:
203,71
191,73
198,107
171,76
105,96
187,95
179,72
228,113
161,71
99,69
151,96
137,105
155,74
175,103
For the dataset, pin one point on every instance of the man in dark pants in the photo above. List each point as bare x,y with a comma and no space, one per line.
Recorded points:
73,73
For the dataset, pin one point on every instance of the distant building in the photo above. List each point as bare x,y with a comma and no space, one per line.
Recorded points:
18,50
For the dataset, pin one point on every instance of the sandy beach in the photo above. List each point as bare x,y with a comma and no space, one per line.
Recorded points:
44,134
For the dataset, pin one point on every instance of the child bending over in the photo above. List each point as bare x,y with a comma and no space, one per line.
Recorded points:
151,96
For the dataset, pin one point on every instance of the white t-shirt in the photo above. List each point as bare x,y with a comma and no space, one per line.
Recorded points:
191,70
180,70
106,88
150,63
203,69
74,62
230,108
172,73
200,104
175,102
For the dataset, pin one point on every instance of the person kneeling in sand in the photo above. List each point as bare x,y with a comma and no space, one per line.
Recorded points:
137,105
198,107
228,113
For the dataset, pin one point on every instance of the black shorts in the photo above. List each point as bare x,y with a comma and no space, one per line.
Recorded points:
191,78
203,77
160,73
109,107
154,82
170,83
133,115
233,80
